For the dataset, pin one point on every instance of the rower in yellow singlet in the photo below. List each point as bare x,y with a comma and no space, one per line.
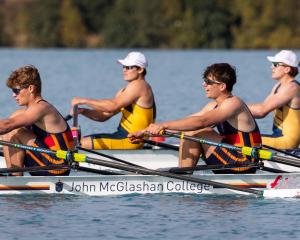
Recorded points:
135,102
284,100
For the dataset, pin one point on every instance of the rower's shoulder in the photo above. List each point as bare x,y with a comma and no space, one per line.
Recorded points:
293,84
138,84
234,100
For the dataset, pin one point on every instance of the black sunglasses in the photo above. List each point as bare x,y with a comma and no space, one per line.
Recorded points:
18,90
129,67
210,82
276,64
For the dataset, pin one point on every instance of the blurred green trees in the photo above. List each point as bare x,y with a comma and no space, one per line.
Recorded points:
150,24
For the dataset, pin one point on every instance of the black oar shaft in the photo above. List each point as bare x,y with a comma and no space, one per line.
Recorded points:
211,167
98,171
145,171
282,151
75,128
285,160
160,144
107,156
26,147
68,117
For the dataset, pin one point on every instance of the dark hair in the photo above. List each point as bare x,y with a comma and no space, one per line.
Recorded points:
144,71
222,72
293,72
25,76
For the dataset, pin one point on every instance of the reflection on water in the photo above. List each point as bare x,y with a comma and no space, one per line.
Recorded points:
29,202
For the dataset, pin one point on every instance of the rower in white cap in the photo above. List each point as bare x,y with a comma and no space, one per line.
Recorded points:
135,102
284,100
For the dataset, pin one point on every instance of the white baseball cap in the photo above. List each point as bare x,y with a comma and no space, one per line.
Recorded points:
134,59
285,56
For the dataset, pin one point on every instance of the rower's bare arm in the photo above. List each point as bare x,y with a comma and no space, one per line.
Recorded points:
208,107
207,118
95,115
124,98
274,100
22,118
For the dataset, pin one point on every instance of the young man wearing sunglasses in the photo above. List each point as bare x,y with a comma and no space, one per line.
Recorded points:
37,124
284,100
135,102
228,113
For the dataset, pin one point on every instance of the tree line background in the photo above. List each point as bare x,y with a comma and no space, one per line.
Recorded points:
150,23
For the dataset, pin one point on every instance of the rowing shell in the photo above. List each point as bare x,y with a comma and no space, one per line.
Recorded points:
284,185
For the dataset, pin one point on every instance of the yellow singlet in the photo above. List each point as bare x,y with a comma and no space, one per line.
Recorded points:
135,118
286,129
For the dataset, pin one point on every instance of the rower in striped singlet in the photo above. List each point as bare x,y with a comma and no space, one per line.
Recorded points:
231,116
54,141
233,136
37,123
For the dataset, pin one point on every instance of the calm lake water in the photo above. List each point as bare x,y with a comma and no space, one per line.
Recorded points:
176,78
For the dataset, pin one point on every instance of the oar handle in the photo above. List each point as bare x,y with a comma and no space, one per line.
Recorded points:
75,128
75,116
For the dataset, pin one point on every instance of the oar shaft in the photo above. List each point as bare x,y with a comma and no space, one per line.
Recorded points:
282,151
97,171
160,144
26,147
75,128
107,156
286,160
210,167
75,116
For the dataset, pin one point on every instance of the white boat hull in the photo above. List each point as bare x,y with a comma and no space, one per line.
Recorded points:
286,185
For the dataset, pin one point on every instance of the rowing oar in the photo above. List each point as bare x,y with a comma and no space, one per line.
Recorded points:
75,129
68,117
55,167
107,156
79,157
210,167
160,144
282,151
50,167
248,151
